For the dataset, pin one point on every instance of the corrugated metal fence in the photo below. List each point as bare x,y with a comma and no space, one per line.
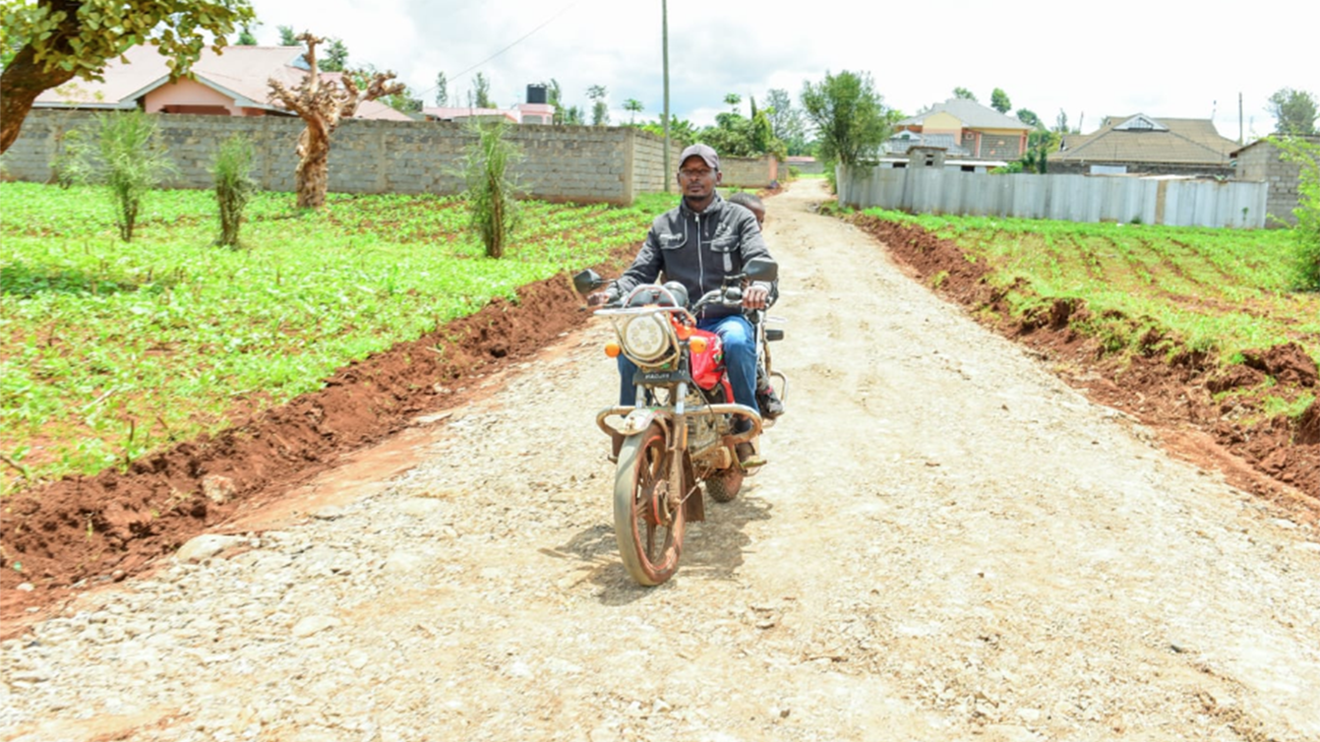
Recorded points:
1077,198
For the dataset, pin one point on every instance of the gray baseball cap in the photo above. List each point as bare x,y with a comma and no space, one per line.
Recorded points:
707,154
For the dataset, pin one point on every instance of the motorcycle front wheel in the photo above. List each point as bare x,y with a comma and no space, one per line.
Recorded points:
648,515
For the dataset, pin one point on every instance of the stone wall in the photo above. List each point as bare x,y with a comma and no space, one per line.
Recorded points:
1001,147
1260,161
650,172
587,164
748,172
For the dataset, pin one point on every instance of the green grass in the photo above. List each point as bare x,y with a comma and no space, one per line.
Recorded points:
109,350
1212,290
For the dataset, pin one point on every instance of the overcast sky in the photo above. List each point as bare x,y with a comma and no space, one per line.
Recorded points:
1116,57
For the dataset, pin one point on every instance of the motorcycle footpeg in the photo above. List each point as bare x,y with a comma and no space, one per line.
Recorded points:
772,335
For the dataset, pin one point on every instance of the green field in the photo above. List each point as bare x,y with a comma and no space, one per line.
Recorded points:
109,350
1220,291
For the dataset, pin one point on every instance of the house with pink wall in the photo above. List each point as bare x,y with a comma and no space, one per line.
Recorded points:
233,82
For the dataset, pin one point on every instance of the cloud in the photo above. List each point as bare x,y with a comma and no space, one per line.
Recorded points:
1120,57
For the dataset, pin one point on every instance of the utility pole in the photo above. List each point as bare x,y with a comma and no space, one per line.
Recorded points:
1241,131
664,39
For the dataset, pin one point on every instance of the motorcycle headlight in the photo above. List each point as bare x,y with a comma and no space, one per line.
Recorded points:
646,337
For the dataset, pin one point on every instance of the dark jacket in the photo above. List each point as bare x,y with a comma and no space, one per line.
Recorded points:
697,250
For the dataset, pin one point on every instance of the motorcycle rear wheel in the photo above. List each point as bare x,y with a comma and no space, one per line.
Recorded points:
648,516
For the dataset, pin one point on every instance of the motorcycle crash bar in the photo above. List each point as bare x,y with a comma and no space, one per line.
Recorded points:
633,420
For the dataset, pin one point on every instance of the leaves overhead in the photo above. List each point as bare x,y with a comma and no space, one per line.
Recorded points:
80,37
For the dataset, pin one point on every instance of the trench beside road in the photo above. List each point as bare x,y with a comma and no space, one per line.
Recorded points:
948,544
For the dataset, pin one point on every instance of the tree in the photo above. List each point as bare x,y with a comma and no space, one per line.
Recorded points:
786,120
1044,140
401,101
1061,122
680,130
999,101
633,106
246,37
554,95
850,118
575,116
736,136
321,104
481,92
287,36
64,39
1294,111
10,45
1028,117
732,100
964,93
600,111
336,56
441,89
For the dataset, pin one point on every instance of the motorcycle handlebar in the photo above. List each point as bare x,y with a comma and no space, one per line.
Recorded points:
729,294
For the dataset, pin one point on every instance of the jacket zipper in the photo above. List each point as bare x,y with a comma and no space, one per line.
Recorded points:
701,266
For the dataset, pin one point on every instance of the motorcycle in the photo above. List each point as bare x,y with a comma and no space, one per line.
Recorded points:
681,433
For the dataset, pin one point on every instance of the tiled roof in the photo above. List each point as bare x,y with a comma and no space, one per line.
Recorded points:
1193,141
241,72
973,115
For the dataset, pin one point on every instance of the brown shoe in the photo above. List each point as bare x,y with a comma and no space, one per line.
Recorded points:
748,458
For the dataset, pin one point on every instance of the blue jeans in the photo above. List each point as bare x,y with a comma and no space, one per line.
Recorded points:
739,358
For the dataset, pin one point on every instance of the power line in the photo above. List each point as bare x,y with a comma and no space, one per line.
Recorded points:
515,42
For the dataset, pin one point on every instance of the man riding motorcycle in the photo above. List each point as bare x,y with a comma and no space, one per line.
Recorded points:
698,243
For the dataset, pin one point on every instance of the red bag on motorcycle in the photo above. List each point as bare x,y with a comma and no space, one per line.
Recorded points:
708,366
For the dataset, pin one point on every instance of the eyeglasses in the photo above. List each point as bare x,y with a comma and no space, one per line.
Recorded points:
694,174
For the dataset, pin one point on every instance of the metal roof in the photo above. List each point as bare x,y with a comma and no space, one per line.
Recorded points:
973,115
1191,141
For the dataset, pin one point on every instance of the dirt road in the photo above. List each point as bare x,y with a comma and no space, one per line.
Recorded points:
948,544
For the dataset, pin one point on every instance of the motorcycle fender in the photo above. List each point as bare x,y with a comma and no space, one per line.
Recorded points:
637,421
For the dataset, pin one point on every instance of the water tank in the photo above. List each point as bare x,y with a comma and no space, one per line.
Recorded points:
536,93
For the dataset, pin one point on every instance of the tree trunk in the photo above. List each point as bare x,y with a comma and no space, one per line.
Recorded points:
313,168
23,80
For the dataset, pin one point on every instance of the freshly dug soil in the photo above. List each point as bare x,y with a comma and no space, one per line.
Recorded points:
1276,458
85,530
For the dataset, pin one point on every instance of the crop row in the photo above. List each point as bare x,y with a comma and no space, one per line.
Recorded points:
1215,289
111,349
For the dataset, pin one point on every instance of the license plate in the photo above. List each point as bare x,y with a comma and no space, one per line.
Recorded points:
659,377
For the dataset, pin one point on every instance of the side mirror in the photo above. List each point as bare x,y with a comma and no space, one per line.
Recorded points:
761,269
587,281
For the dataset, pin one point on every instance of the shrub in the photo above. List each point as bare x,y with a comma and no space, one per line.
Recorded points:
1306,261
132,164
233,185
831,175
72,166
490,189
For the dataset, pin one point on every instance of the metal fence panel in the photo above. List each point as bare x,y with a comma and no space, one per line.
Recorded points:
1077,198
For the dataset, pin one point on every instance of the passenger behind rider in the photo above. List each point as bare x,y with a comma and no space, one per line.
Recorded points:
698,243
766,397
